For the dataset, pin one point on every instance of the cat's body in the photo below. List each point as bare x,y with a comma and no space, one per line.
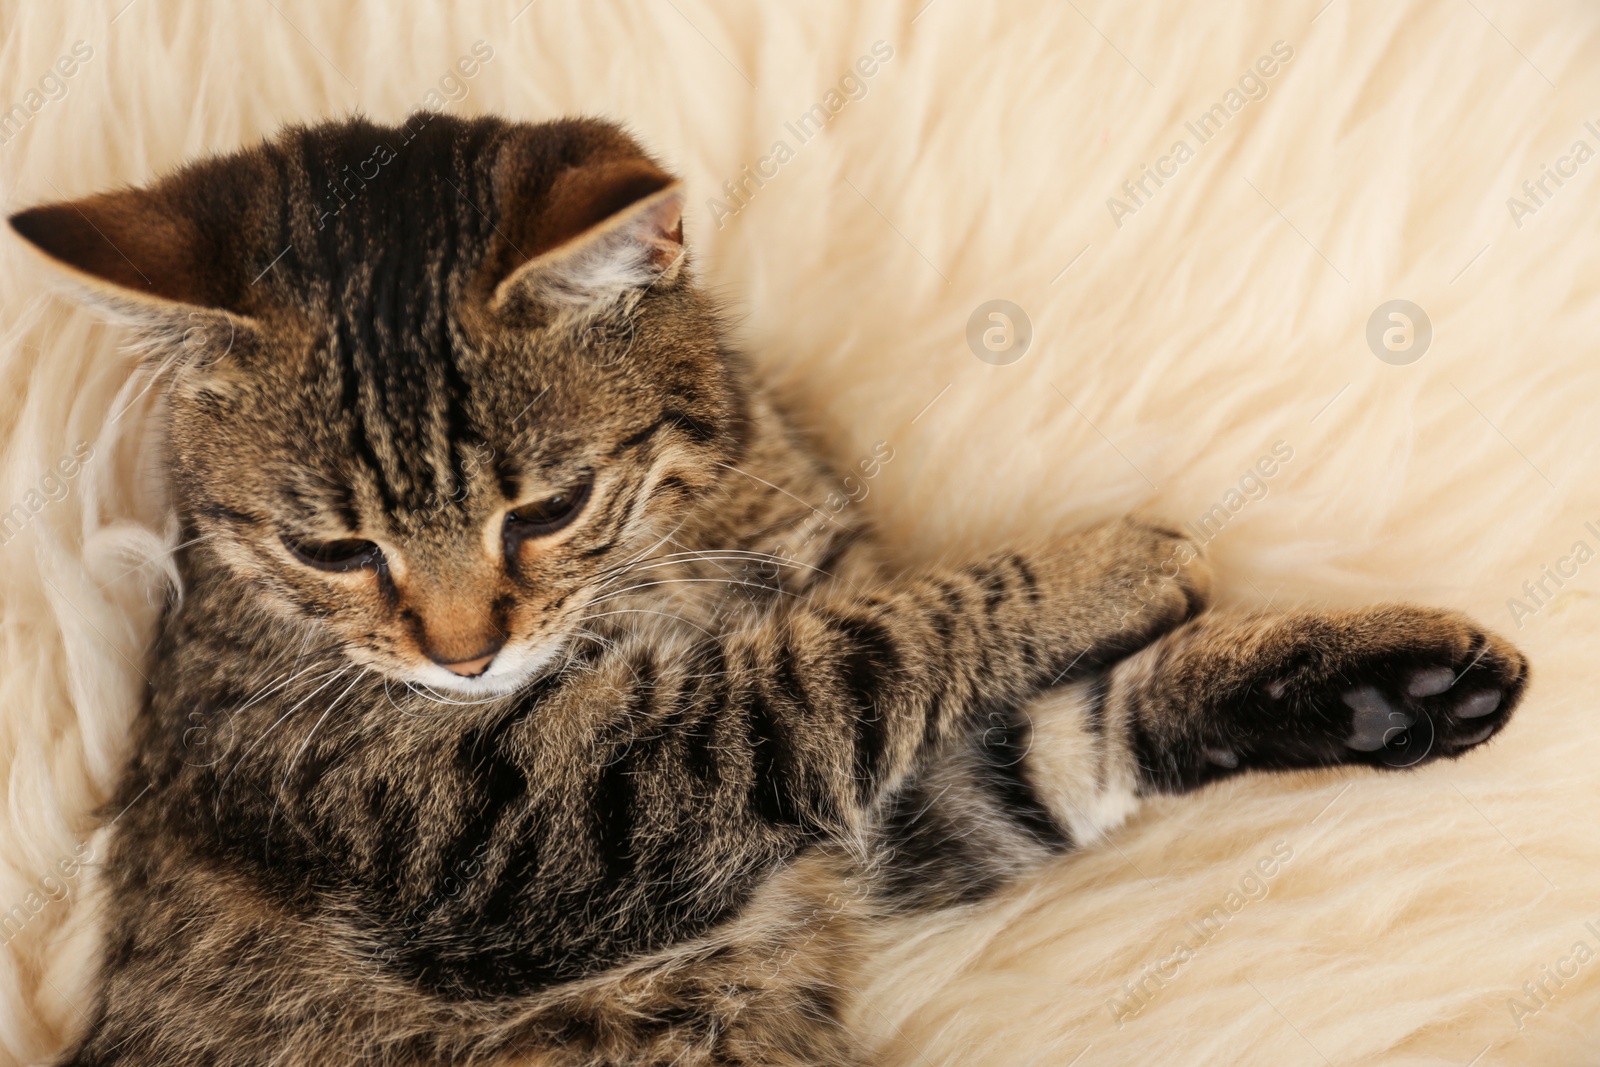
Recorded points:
633,773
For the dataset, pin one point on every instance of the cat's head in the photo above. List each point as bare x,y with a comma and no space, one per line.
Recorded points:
430,386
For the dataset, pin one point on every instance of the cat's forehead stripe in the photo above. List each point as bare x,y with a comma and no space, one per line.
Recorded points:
391,253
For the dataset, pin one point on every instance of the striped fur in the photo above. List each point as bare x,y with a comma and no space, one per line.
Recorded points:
720,739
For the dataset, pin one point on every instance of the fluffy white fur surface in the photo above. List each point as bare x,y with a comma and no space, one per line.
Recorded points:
1424,918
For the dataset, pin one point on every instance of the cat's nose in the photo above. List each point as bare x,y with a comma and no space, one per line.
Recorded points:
469,668
472,666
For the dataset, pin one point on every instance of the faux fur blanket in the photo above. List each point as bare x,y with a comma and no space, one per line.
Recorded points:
1318,278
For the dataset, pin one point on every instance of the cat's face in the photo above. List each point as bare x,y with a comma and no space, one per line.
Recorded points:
474,383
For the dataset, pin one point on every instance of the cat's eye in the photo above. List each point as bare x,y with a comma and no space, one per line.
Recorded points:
337,556
546,516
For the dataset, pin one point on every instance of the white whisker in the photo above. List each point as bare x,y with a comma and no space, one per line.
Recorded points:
648,611
330,678
271,688
423,689
328,711
779,488
692,581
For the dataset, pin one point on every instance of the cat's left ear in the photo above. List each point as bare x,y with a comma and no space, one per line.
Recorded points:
601,231
137,255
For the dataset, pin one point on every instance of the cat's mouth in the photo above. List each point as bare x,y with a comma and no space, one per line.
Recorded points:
510,670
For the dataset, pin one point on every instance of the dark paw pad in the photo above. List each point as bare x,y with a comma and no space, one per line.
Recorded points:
1403,717
1375,721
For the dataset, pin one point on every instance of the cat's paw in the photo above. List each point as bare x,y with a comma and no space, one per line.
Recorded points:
1111,589
1162,578
1437,710
1413,685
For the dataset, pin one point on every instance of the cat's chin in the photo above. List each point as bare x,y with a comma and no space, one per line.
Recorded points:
511,671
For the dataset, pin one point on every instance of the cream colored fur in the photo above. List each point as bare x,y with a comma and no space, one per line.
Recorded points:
1226,315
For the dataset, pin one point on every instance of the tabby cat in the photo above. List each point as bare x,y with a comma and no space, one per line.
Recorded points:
521,707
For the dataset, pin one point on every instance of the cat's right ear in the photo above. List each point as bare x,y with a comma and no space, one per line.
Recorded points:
598,232
132,254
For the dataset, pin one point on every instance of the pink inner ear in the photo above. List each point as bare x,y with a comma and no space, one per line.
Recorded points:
580,199
120,238
667,231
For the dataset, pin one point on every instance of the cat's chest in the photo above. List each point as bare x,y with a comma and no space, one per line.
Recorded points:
488,853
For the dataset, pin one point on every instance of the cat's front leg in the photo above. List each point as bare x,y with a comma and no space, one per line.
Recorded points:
835,695
1079,600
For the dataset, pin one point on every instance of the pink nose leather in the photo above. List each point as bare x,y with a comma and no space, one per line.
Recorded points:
469,668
